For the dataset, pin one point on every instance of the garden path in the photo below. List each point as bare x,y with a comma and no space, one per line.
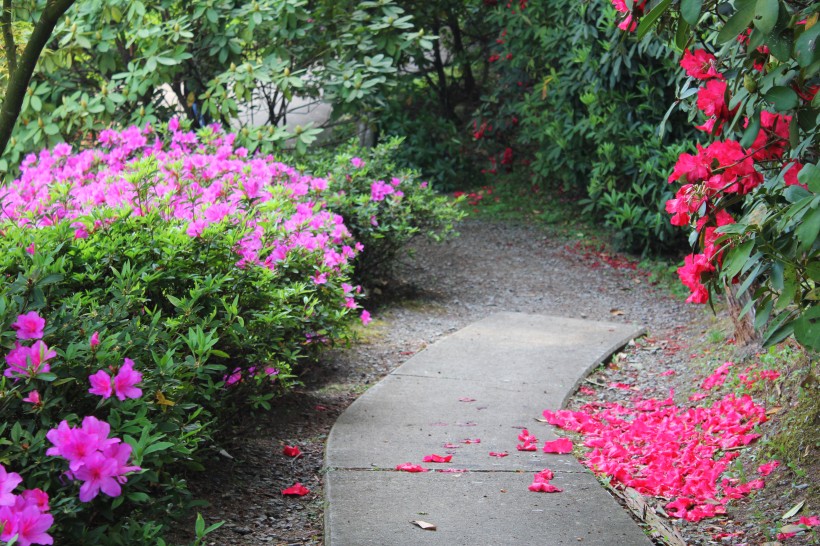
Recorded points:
485,382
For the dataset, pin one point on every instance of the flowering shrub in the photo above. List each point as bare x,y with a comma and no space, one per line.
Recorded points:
750,197
383,207
154,285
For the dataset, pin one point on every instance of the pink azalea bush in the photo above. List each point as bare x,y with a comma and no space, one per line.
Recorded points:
155,284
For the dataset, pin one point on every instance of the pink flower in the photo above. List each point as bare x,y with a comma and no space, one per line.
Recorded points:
36,497
410,467
28,523
365,317
33,398
101,384
296,490
31,249
379,190
99,474
29,361
76,444
94,340
561,445
357,162
125,380
541,482
8,481
810,521
437,458
498,454
768,468
700,65
29,326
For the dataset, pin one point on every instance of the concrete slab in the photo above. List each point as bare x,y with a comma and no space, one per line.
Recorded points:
487,508
403,418
514,366
515,348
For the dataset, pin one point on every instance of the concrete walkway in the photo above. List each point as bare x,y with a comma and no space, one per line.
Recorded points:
514,366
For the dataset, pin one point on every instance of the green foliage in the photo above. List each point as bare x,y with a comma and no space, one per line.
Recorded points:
383,225
584,106
230,61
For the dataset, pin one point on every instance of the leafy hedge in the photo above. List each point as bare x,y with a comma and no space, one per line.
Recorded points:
154,285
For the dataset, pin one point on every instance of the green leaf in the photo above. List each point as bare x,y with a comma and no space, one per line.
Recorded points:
739,22
807,328
199,526
810,176
813,271
807,231
766,12
682,35
805,48
751,132
780,44
736,258
782,98
650,18
690,10
159,446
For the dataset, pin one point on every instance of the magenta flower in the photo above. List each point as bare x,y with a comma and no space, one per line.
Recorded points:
29,326
8,481
379,190
77,444
94,340
99,474
101,384
36,497
125,380
31,249
366,317
357,162
29,361
33,398
28,523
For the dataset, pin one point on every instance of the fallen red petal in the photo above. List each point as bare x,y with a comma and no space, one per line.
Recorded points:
587,391
544,488
437,458
471,441
768,468
291,451
561,445
498,454
622,386
526,447
410,467
810,521
296,490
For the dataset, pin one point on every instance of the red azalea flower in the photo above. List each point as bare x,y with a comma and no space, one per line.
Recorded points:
296,490
291,451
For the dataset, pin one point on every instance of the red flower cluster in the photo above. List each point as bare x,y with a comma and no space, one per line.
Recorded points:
663,450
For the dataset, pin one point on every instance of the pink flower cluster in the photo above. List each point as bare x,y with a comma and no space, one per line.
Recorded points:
100,462
380,189
122,385
663,450
24,516
196,185
29,361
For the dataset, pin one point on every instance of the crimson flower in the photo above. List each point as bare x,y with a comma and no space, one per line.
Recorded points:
291,451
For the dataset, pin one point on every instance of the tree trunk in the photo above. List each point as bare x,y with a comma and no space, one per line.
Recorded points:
20,78
744,326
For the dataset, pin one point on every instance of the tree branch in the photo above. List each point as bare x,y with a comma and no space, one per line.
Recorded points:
8,36
20,78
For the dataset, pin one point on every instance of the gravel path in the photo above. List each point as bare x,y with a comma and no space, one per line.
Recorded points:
491,267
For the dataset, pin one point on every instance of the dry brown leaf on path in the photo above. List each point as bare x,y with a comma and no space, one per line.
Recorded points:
616,312
792,528
793,510
424,525
773,410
